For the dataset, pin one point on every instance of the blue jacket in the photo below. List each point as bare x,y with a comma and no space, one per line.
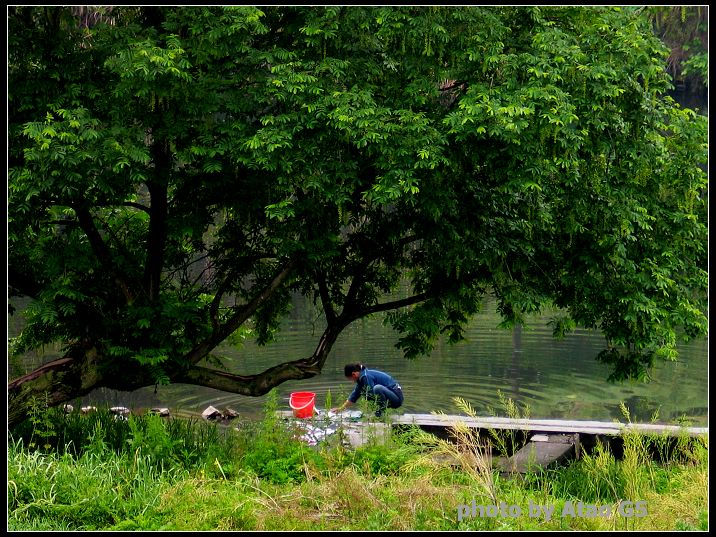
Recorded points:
369,378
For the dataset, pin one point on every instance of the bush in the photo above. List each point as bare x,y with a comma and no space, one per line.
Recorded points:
379,459
278,463
271,451
150,437
61,432
187,443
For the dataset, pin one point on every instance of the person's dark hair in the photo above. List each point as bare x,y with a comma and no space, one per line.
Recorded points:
350,368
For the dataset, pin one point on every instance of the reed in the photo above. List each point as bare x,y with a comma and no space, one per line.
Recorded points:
465,449
509,441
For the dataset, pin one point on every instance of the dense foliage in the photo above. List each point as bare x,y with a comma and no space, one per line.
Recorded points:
177,172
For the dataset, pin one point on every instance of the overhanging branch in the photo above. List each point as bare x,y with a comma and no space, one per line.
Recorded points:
252,385
221,332
395,304
261,383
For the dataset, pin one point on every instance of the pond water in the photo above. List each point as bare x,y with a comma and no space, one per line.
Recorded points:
556,379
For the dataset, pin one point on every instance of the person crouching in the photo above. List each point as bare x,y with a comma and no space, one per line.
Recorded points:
375,385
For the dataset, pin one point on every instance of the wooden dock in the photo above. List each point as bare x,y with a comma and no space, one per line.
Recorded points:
544,426
544,442
582,427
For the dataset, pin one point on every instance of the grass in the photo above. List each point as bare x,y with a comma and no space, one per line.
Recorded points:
93,491
92,472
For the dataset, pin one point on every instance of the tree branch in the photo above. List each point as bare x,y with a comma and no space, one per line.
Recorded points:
354,287
394,304
220,333
261,383
252,385
127,204
101,251
216,302
119,243
226,283
448,86
168,277
326,299
359,278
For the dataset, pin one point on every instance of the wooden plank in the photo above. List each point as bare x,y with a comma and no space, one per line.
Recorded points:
497,419
564,426
537,425
517,426
439,419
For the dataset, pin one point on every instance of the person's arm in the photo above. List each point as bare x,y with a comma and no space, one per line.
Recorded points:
341,408
352,398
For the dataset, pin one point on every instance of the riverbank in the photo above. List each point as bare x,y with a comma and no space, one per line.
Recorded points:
95,472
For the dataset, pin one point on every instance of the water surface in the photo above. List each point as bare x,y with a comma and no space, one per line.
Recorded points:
556,379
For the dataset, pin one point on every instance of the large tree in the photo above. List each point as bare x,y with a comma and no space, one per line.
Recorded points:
177,173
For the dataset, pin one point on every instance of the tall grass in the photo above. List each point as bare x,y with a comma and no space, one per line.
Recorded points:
650,465
95,490
149,473
465,448
509,441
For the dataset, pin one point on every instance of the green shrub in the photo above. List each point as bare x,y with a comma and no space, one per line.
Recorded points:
376,459
596,478
278,464
189,443
150,437
71,431
270,450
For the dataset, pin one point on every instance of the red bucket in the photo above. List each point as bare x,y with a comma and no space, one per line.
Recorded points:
302,404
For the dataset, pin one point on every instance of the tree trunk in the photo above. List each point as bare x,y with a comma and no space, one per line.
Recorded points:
61,380
84,369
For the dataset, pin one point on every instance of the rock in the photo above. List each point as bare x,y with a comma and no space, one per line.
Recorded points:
163,412
88,409
68,408
119,410
230,414
211,413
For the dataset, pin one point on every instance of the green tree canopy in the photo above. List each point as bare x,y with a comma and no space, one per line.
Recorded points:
176,173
